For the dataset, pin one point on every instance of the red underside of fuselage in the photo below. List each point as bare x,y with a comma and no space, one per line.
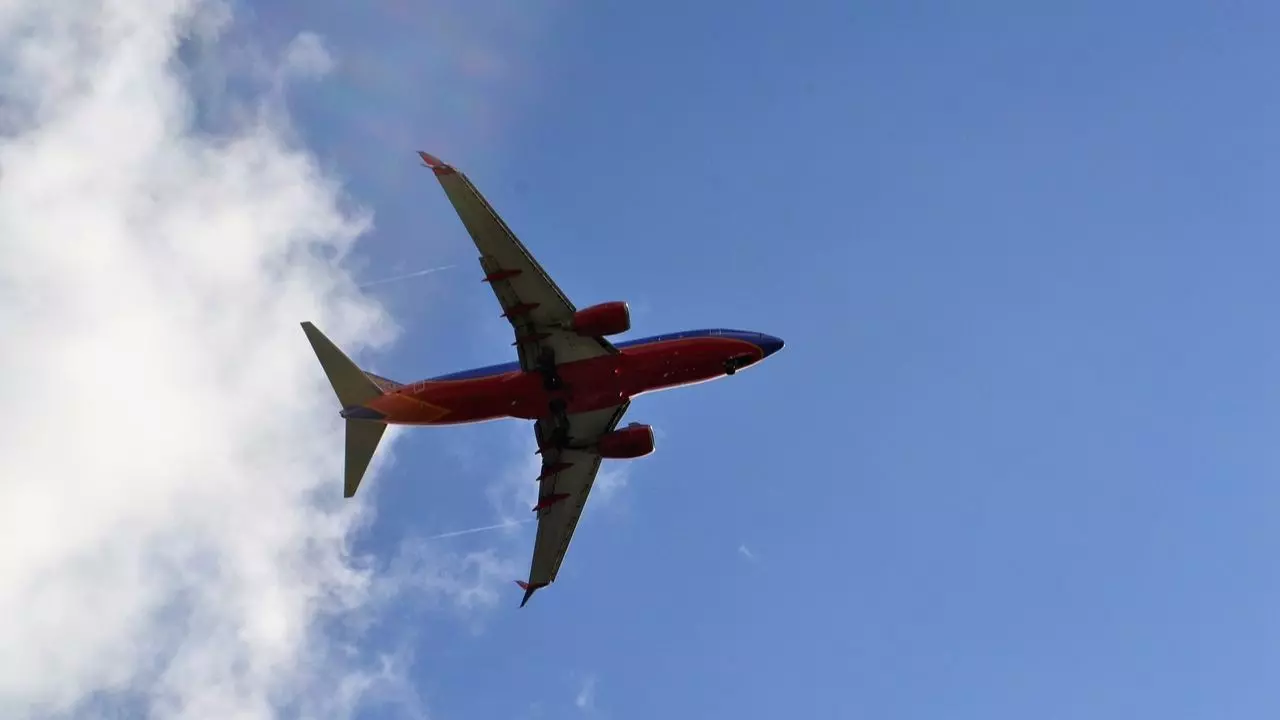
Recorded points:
588,384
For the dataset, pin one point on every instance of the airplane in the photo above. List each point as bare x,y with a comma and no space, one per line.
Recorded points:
568,378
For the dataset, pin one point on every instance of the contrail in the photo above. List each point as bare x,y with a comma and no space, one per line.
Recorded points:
456,533
397,278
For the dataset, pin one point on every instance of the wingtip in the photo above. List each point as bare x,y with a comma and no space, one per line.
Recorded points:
529,590
433,162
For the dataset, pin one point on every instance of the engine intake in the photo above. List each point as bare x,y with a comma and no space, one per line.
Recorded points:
608,318
631,442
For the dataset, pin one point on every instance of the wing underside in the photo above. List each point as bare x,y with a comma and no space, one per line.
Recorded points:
567,478
539,312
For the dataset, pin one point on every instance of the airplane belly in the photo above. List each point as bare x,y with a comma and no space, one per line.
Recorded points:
452,402
588,385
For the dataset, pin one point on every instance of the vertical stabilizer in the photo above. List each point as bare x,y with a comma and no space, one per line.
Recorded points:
349,382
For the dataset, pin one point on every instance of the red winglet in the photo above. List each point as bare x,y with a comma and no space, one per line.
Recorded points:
528,590
434,163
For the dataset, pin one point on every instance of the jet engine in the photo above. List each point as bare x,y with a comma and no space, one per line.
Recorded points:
632,441
608,318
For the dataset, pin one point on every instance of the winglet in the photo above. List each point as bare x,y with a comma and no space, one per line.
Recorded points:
433,162
529,590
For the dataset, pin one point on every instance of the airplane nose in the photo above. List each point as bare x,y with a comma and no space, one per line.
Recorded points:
770,344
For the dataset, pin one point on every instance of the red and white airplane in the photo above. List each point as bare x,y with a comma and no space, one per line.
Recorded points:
569,379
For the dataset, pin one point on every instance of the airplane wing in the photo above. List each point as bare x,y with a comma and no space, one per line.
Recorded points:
567,477
538,311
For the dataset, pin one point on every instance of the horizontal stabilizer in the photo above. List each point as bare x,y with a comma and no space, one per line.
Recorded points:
363,437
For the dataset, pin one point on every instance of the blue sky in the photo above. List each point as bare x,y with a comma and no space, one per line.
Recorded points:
1017,457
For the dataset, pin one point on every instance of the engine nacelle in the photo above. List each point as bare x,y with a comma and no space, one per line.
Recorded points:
632,441
608,318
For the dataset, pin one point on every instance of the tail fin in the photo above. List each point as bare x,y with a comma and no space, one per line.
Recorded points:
354,388
349,382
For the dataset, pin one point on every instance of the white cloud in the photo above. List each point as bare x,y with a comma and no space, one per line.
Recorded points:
514,493
175,534
466,581
610,482
586,698
306,56
745,552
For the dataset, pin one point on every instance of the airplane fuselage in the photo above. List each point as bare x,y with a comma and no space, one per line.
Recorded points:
640,366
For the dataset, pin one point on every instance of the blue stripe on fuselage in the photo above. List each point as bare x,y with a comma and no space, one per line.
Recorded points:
491,370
